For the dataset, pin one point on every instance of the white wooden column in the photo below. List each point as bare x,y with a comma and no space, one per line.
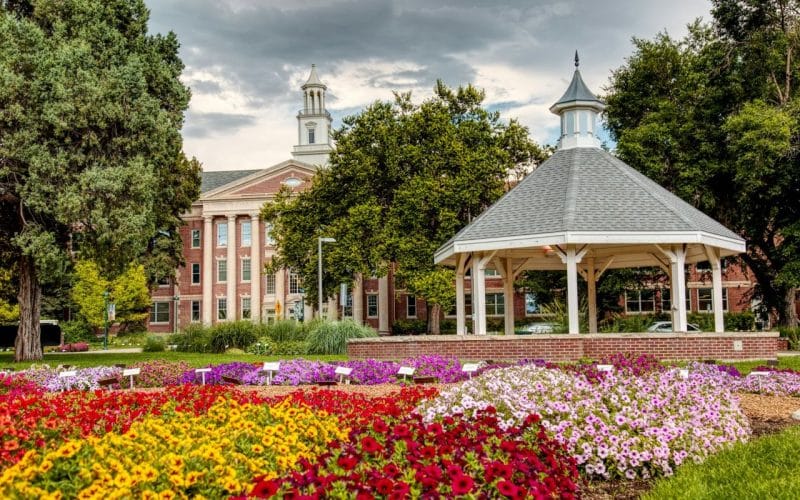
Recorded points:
255,268
208,269
572,290
358,299
716,280
591,282
678,261
508,295
233,265
479,294
383,306
461,313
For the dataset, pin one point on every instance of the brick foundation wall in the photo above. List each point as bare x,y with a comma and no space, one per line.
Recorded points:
665,346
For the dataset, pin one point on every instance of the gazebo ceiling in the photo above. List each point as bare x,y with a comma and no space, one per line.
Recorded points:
586,196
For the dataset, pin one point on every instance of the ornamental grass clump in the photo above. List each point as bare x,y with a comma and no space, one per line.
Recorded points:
621,425
330,337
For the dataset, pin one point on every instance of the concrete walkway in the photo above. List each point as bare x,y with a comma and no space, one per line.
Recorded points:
125,350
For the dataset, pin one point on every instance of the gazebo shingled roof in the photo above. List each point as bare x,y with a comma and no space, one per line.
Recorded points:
585,211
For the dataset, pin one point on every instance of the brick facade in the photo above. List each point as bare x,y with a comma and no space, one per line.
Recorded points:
664,346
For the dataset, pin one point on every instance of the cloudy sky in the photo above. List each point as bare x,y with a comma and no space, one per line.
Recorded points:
246,59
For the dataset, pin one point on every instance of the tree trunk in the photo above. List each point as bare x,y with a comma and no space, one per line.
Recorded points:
28,346
791,308
433,319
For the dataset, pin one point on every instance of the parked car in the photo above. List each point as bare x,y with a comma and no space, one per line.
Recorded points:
666,327
543,327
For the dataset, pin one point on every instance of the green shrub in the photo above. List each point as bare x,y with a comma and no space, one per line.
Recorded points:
193,338
792,335
704,320
264,346
409,327
77,331
331,337
447,326
744,321
633,323
287,329
234,334
291,348
154,344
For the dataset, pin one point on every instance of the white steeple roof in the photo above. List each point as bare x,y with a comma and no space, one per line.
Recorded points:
313,79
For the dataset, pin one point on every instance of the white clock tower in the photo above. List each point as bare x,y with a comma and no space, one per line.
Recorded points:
313,124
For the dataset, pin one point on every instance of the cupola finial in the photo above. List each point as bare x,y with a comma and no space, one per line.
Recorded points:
577,61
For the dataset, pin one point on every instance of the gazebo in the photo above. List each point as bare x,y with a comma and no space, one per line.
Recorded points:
585,211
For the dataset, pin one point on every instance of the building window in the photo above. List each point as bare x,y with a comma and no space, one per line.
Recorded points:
294,283
195,238
247,238
222,234
222,309
411,306
705,302
159,312
195,273
491,273
269,284
195,310
495,304
467,307
372,306
245,307
222,271
268,239
311,136
347,309
531,304
246,269
163,281
640,301
666,300
270,316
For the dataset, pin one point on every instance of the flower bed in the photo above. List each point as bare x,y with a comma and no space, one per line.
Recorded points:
621,425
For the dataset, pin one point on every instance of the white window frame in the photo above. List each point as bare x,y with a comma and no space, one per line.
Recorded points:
222,301
467,308
312,135
199,273
639,301
156,309
269,284
701,299
222,239
219,271
372,297
248,309
196,317
497,302
295,284
246,236
249,269
196,236
268,239
411,306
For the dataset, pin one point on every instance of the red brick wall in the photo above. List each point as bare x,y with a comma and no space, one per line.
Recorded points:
666,346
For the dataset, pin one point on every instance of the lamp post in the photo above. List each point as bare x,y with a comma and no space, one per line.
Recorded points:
320,241
105,319
177,299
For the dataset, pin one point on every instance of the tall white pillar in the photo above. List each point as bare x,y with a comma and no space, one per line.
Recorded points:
280,294
591,282
508,292
383,306
716,296
678,260
572,290
478,296
461,313
358,299
233,265
255,268
208,269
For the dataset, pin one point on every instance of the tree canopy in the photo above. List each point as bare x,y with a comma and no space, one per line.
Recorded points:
714,117
403,179
91,159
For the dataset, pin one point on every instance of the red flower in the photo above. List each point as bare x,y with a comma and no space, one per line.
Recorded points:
347,462
265,489
391,470
507,488
380,426
384,486
508,446
401,431
427,452
462,484
370,445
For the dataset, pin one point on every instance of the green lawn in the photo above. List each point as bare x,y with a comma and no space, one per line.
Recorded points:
764,468
792,362
97,358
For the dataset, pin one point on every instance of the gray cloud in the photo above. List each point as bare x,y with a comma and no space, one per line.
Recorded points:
207,124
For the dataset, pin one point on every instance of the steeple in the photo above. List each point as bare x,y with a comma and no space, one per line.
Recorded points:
313,123
579,109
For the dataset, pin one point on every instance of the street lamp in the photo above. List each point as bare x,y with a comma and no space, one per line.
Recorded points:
177,299
105,319
320,241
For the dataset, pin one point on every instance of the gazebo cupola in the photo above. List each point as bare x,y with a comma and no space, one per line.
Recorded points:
579,110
